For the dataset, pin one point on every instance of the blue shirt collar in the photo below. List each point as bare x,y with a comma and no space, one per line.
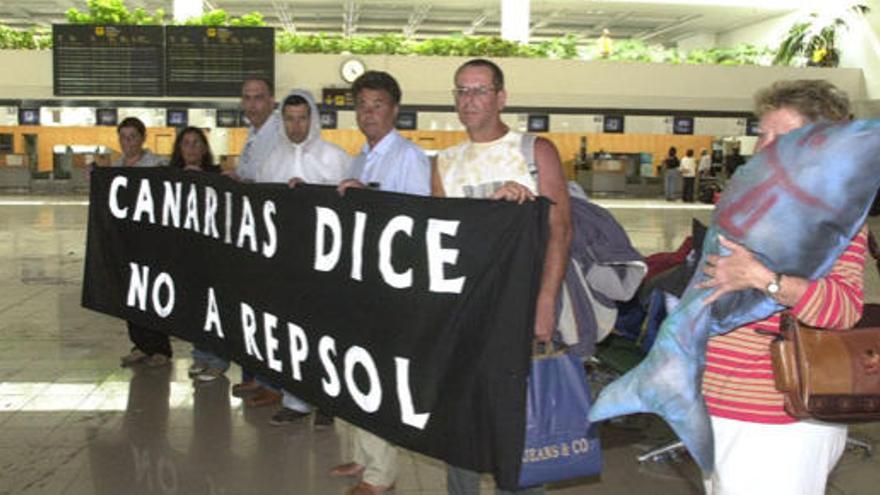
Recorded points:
384,144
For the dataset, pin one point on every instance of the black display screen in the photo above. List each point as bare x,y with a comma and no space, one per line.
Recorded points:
329,119
612,124
28,116
229,118
753,127
106,116
682,125
538,123
214,61
91,60
407,121
176,117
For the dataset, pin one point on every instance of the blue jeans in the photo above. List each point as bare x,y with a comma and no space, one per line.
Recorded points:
215,361
672,181
209,358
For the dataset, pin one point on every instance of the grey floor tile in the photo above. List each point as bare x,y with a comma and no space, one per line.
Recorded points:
73,422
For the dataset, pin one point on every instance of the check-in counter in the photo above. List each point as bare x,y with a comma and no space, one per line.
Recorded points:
15,172
606,175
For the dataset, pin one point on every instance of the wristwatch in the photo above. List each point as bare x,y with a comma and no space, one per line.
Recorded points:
774,286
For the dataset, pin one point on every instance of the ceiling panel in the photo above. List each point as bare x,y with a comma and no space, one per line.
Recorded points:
663,23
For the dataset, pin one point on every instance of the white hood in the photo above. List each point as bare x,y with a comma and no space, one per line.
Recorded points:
314,119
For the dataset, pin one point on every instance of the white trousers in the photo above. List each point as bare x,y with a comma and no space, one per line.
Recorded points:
378,457
759,459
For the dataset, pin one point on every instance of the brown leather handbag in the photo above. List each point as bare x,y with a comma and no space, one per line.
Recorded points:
828,375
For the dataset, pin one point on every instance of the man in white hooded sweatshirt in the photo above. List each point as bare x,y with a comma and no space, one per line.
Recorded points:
301,156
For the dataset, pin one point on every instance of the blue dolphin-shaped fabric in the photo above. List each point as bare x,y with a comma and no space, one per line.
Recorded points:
796,205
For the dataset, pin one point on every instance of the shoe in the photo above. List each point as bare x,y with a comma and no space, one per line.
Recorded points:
196,368
134,357
208,375
286,416
364,488
245,389
264,397
347,469
157,360
322,421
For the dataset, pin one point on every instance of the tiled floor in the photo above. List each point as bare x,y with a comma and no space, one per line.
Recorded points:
73,422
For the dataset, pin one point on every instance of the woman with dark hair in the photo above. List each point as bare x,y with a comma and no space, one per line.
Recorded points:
192,151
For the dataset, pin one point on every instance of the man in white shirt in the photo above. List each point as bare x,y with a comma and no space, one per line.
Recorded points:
301,156
258,105
688,170
492,164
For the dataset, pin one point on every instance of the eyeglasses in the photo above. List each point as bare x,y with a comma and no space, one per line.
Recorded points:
476,92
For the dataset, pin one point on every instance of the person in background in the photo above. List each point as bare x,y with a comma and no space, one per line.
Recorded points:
150,347
672,175
734,161
759,448
388,162
301,156
688,169
704,169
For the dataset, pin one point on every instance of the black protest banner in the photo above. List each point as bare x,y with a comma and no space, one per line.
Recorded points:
408,316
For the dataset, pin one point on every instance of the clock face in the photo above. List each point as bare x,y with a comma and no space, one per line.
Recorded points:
352,69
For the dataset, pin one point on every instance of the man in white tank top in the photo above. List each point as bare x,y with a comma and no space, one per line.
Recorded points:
491,164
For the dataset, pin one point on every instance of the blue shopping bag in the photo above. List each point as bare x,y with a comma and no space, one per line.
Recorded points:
560,441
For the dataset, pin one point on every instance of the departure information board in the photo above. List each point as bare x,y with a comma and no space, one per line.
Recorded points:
90,60
213,61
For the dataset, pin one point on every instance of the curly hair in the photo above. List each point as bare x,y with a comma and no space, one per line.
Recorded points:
815,99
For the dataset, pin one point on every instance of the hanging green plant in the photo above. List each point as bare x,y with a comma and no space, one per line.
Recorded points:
116,12
743,54
29,39
113,12
219,17
813,42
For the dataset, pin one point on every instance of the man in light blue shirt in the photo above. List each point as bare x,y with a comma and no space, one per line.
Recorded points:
387,162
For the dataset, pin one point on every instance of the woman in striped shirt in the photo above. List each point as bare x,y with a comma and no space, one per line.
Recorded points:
759,449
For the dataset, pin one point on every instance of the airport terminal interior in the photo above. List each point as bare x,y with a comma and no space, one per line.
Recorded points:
73,422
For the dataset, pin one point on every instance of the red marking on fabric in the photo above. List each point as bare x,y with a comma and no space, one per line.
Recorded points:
756,202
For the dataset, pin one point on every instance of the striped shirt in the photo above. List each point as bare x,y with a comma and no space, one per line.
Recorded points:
738,381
